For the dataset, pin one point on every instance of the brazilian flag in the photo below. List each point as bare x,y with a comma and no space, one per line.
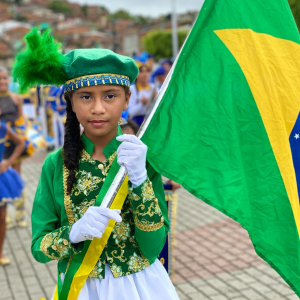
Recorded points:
228,128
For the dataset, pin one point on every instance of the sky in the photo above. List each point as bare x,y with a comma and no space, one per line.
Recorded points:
151,8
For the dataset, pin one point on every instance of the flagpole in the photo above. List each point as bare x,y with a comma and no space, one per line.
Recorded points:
174,29
120,176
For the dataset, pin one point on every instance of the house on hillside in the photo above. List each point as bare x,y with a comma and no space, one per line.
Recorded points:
4,12
12,25
11,33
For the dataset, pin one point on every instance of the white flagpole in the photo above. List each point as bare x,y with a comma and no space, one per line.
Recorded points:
174,29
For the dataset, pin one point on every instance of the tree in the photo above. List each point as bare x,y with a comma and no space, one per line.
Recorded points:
295,7
84,10
141,20
60,7
104,9
159,42
121,14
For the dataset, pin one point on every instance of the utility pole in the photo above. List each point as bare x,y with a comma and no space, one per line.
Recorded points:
174,30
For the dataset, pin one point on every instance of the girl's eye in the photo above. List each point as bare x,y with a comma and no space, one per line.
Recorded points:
85,97
110,96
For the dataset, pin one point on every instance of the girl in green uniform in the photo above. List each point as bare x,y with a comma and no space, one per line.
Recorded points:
64,217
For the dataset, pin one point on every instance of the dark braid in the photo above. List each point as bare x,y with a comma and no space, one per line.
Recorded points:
73,144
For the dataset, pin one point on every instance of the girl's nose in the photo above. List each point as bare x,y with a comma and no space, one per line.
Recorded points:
98,107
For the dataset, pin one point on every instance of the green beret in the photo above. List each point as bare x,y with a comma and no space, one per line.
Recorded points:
43,63
85,67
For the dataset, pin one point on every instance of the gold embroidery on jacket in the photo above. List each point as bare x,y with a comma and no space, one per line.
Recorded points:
85,157
69,263
86,183
121,232
116,270
98,269
120,257
136,263
67,200
146,225
147,191
80,209
108,163
151,210
60,246
132,195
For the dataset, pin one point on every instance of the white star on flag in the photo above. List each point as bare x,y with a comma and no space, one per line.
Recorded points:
297,136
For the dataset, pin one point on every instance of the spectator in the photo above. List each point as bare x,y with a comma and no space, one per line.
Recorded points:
167,64
142,96
160,75
129,127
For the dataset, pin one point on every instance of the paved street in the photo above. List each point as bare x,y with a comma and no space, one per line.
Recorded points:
214,258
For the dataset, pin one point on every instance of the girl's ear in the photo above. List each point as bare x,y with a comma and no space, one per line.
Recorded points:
127,97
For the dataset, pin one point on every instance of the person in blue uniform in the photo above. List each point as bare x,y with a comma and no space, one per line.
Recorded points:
11,184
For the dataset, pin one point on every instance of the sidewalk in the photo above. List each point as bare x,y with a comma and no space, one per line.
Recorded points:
214,258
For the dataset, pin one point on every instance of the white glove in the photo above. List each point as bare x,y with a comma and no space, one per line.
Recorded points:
132,155
93,224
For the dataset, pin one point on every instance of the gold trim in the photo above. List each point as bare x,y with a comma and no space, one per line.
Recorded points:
172,211
147,226
94,75
86,156
69,263
68,201
45,243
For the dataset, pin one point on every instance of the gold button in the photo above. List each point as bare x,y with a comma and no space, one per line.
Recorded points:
156,201
100,166
65,242
54,247
162,219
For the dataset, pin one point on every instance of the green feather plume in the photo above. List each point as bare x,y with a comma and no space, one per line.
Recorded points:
41,63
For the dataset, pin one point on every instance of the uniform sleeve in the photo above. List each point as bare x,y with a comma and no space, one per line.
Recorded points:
49,240
150,215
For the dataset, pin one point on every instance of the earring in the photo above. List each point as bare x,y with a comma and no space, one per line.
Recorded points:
121,121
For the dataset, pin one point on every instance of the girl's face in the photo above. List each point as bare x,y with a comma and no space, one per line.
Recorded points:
143,75
99,108
4,81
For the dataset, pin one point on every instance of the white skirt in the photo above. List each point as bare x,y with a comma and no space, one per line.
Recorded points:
151,283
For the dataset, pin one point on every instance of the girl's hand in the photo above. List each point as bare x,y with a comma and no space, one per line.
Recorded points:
4,165
175,185
132,155
144,100
93,224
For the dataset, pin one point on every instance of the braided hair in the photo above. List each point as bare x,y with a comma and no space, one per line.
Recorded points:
73,144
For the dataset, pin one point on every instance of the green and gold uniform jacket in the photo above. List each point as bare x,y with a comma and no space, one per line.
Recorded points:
134,244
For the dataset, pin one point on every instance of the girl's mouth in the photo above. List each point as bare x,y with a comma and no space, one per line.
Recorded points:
97,123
